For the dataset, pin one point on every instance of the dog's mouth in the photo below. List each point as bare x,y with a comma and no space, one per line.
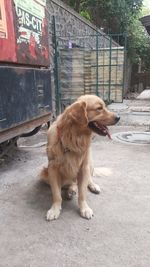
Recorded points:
99,129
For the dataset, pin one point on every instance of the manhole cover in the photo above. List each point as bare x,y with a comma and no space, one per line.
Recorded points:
138,138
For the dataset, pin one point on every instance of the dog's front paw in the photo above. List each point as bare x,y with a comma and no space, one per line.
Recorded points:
53,213
86,213
94,188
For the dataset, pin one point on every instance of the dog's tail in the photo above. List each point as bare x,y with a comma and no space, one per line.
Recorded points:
44,175
98,171
102,171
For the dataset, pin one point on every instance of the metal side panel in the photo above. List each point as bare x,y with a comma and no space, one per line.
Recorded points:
25,94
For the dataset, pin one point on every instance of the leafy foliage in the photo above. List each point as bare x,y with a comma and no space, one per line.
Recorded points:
118,16
112,15
139,44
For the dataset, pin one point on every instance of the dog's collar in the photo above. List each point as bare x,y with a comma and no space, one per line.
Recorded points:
59,134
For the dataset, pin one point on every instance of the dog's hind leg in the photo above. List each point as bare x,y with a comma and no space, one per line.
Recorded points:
94,188
71,191
44,175
99,171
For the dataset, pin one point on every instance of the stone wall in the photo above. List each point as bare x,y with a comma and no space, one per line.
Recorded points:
74,29
69,23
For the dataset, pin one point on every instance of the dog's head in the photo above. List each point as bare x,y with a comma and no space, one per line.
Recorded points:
89,111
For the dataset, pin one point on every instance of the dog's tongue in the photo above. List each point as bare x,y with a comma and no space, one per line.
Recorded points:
108,133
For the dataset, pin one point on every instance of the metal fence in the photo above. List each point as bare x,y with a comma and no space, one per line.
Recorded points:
90,64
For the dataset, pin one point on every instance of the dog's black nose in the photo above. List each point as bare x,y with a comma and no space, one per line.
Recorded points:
117,118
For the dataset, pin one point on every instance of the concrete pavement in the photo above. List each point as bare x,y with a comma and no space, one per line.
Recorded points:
133,112
117,236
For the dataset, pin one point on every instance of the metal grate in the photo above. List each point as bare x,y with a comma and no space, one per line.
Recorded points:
90,64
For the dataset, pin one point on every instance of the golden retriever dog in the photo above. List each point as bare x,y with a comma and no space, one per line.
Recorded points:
68,151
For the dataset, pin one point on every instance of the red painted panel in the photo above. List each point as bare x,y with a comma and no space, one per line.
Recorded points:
24,32
32,32
7,34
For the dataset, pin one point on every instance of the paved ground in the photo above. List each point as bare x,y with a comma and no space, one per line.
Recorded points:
133,112
117,236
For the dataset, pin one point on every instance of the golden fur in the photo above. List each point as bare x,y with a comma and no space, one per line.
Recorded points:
68,152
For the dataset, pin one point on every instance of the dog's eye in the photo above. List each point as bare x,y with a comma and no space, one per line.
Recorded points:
99,108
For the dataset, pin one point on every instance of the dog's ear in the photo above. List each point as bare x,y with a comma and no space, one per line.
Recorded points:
78,113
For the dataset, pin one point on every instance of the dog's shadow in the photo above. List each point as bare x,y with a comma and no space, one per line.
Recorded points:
39,197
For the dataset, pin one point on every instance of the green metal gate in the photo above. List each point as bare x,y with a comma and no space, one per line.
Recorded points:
90,64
